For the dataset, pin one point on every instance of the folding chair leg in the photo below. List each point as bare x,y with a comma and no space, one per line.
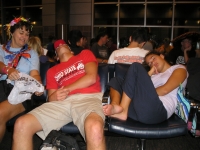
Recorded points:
141,144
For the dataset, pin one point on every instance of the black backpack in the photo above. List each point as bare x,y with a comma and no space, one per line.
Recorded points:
59,141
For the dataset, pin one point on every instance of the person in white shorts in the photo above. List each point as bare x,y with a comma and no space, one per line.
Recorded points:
73,94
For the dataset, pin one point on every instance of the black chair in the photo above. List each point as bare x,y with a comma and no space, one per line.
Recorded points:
172,127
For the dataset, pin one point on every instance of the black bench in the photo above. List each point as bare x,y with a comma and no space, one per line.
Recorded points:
172,127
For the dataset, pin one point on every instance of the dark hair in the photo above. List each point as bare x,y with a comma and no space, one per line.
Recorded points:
140,35
102,32
51,54
21,24
51,38
74,37
154,52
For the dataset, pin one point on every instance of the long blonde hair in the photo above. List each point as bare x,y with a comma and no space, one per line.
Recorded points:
35,44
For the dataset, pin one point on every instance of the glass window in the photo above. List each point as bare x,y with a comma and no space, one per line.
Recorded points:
112,32
35,15
33,2
105,0
132,0
8,3
157,34
159,14
191,17
131,14
179,31
159,0
105,14
11,13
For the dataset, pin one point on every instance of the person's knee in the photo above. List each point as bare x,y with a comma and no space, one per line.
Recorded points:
94,127
22,125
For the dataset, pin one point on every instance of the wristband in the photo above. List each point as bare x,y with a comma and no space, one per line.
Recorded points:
4,69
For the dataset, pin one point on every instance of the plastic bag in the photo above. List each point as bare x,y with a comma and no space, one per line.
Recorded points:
23,89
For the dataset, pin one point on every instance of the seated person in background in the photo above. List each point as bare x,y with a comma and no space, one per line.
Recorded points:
74,94
51,56
99,49
85,42
111,46
134,52
148,45
164,47
148,97
35,44
16,57
75,41
180,55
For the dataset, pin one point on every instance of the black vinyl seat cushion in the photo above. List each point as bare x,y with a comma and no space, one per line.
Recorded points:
172,127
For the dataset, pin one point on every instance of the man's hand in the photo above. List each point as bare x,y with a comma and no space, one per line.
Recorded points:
61,94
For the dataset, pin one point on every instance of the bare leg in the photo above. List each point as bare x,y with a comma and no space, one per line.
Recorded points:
115,101
8,111
94,131
25,127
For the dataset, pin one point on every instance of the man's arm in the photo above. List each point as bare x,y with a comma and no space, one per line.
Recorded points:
177,77
85,81
88,79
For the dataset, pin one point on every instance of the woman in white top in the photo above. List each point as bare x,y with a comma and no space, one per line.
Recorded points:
147,99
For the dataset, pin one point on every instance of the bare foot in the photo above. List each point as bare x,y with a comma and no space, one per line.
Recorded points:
115,111
112,109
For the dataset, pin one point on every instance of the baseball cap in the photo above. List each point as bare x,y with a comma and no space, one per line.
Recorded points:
59,43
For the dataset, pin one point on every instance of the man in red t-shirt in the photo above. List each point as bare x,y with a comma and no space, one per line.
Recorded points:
74,95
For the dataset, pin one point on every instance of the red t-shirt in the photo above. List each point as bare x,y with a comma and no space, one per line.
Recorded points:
68,72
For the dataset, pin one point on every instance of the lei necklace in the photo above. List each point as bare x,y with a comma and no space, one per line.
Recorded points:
15,56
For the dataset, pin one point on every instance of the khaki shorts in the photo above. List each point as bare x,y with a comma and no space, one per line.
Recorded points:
54,115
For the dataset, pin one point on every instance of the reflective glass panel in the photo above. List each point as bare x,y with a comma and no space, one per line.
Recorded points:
33,2
7,3
191,17
35,15
179,31
105,0
11,13
159,14
132,0
131,14
112,32
105,14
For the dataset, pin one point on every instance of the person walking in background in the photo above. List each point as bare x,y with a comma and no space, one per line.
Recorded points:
134,52
99,49
16,57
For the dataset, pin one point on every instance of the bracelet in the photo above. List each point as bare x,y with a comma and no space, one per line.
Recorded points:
4,69
8,70
102,60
